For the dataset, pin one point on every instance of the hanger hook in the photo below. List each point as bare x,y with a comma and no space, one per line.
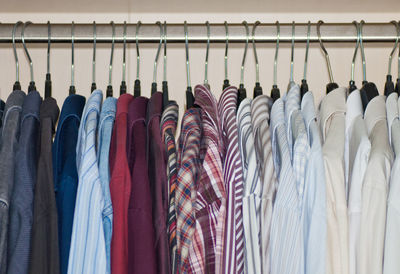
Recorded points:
94,53
124,55
187,55
245,52
328,62
278,34
48,45
255,51
112,54
226,50
207,50
165,52
72,54
398,66
362,51
25,48
396,24
137,50
307,47
158,52
355,50
292,52
15,50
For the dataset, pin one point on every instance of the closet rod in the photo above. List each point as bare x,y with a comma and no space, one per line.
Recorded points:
150,33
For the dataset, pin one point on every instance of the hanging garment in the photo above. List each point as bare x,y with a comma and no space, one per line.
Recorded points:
158,181
332,125
205,254
88,248
287,256
314,200
106,123
392,238
375,189
187,182
141,235
358,149
233,178
169,120
2,106
252,189
9,144
21,205
45,250
65,172
260,112
120,186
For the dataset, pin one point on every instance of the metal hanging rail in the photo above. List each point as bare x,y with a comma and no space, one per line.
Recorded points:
150,33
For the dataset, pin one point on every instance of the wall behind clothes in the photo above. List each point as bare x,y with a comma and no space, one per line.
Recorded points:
340,54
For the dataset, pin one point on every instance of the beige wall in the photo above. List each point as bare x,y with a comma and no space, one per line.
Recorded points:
341,54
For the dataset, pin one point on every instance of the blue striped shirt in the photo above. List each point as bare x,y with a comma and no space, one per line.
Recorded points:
88,248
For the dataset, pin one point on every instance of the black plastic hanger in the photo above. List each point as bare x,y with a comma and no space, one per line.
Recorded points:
165,83
47,83
389,86
304,85
189,93
154,84
206,62
32,82
94,86
72,89
242,91
275,93
136,89
226,80
331,85
369,89
257,88
122,87
352,84
109,92
17,84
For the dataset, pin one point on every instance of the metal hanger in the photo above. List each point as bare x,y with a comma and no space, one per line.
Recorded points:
109,92
291,80
397,88
226,80
369,89
352,85
122,88
242,91
47,83
304,85
154,84
257,88
136,90
32,82
275,93
189,93
17,85
94,86
389,86
165,83
72,89
331,85
206,62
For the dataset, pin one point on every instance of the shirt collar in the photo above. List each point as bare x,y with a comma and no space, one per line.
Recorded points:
260,109
49,109
73,105
123,103
31,104
277,114
333,102
392,111
154,107
137,109
308,108
292,100
354,107
375,111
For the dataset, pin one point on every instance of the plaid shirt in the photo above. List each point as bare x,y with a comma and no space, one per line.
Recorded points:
185,193
169,121
207,244
233,178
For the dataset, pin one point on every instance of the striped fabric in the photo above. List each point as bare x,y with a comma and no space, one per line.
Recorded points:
205,255
252,189
88,250
188,167
260,110
233,178
286,233
169,122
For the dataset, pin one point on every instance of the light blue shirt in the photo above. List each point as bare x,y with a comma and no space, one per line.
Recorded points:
314,200
106,123
88,248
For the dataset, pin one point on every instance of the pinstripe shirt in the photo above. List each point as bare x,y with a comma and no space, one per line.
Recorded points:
260,111
252,189
88,248
233,178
